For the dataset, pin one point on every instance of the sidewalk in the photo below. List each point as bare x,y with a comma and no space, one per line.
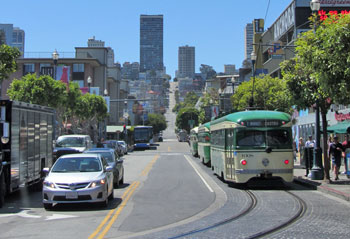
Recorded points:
339,188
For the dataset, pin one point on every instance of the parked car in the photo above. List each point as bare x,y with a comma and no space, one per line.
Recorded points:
78,178
114,161
124,146
71,144
114,144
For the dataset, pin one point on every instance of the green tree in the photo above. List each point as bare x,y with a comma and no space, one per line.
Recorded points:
157,121
269,94
41,90
8,57
320,70
189,101
183,117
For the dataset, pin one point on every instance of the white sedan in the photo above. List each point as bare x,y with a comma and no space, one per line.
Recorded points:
78,178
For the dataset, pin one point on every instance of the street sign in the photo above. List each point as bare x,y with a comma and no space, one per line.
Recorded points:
191,123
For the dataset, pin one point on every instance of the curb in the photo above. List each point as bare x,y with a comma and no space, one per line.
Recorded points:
320,187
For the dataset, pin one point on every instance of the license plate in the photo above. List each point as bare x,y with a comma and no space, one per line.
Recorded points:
71,195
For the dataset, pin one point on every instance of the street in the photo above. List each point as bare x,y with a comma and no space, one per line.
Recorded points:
167,193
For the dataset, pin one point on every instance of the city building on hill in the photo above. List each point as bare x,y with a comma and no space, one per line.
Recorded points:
151,42
13,36
92,42
186,61
248,40
230,69
131,71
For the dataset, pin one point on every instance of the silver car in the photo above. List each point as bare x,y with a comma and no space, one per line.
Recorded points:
78,178
114,161
124,146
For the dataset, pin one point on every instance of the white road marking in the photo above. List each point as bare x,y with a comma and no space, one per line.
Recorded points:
23,213
205,182
58,216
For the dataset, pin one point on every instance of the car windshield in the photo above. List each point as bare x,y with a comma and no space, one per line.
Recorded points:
70,142
68,165
260,139
108,155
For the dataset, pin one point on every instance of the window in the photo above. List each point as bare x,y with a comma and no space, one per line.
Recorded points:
28,68
78,67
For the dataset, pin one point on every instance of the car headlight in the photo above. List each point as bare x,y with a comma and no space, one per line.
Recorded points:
49,184
97,183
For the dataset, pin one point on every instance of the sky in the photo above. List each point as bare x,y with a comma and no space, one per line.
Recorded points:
214,27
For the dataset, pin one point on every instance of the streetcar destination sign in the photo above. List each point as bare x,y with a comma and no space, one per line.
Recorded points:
262,123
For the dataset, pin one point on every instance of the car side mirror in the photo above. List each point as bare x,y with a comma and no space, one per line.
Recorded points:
109,169
46,170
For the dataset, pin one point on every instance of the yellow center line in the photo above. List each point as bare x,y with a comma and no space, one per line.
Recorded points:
110,212
169,149
115,216
149,166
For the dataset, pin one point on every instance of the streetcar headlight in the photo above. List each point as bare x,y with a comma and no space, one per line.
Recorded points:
243,162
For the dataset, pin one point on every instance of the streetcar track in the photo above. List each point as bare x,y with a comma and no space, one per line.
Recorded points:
300,213
223,222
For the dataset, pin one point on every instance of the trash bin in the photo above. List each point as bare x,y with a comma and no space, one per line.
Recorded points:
347,156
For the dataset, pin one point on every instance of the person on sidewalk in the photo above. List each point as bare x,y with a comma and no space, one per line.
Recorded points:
308,155
346,145
335,153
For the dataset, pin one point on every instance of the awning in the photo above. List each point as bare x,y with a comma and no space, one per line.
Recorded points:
116,128
340,128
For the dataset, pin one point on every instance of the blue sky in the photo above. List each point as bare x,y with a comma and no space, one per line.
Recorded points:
215,28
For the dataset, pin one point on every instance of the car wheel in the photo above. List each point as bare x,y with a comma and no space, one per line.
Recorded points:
111,196
121,182
116,182
48,206
105,202
2,190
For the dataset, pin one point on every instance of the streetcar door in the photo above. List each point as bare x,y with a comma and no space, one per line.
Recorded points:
229,153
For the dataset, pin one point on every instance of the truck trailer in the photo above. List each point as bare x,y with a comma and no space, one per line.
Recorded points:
26,144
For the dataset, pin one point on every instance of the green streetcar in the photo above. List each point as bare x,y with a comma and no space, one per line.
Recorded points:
250,144
194,141
204,143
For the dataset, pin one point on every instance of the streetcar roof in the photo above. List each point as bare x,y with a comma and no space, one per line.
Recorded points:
253,115
204,126
194,130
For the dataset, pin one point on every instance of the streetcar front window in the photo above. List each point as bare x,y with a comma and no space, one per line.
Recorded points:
260,139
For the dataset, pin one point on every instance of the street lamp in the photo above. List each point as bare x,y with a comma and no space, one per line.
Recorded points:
253,58
55,56
89,81
105,92
126,118
317,168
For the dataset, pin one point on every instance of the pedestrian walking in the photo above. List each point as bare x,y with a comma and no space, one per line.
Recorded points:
329,142
335,153
346,145
308,154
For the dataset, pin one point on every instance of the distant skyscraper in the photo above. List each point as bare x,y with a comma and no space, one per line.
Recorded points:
186,61
92,42
248,40
151,42
230,69
14,36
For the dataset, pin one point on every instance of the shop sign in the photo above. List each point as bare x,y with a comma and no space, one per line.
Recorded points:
342,117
